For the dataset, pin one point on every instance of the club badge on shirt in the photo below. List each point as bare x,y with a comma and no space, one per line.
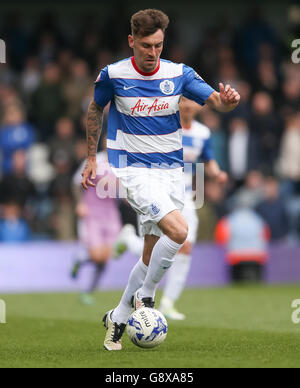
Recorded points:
167,87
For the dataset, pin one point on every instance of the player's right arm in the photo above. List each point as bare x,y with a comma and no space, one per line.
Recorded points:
93,132
104,93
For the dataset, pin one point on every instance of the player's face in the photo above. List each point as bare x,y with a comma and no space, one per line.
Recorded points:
147,50
188,110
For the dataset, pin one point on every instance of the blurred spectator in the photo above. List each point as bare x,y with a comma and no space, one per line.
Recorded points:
15,134
273,209
266,124
250,194
48,102
81,127
8,97
17,186
7,76
290,102
87,100
245,236
13,229
293,212
40,171
64,60
267,78
80,151
63,218
76,87
212,210
243,149
289,161
63,215
62,144
31,77
289,169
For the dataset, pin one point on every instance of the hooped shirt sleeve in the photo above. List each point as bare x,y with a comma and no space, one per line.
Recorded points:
194,87
104,91
207,152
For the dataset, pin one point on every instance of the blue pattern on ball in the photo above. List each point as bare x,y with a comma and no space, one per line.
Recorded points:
136,324
160,328
139,336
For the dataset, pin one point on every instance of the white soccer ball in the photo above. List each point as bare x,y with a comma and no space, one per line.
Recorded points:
147,327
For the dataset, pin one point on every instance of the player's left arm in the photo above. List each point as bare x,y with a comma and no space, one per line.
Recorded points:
224,101
196,89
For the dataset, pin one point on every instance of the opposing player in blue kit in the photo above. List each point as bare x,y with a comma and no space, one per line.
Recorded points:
146,153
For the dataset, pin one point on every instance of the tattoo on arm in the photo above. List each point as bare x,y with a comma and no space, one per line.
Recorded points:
94,128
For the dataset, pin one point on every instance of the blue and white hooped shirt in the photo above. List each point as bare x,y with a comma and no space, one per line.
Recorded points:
144,128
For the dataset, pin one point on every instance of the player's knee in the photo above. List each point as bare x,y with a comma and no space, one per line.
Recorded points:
180,234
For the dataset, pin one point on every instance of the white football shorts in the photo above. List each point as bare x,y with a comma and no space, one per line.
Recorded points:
154,193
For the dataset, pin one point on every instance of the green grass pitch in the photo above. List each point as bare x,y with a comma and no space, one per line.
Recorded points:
226,327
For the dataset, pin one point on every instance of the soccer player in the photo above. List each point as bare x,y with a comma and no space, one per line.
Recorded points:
96,234
145,149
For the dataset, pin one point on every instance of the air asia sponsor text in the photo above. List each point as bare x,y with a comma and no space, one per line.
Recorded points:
155,107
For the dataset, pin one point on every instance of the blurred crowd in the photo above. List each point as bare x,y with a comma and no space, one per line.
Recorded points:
47,84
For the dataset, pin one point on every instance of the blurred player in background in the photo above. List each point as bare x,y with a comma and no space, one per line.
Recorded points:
196,148
99,223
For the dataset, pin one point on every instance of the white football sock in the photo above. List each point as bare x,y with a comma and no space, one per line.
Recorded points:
162,259
176,280
136,279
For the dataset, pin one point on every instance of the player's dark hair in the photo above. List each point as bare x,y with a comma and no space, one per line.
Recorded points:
148,21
